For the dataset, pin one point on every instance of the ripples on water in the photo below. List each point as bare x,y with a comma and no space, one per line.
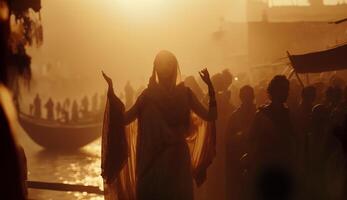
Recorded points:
79,167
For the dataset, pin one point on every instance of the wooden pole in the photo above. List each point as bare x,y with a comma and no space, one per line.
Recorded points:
291,74
64,187
301,83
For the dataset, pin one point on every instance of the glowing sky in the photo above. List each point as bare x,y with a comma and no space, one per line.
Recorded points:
123,36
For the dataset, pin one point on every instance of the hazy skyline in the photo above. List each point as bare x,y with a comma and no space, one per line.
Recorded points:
122,37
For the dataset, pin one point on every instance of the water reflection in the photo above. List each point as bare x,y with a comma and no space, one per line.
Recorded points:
78,167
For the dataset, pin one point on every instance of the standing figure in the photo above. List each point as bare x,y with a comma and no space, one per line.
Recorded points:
326,164
50,109
84,106
302,120
129,95
65,110
169,140
66,104
74,111
37,106
302,115
237,143
272,138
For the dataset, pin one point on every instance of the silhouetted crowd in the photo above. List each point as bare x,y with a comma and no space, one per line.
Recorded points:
69,111
281,141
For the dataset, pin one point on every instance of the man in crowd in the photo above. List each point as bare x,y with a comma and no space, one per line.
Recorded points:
237,140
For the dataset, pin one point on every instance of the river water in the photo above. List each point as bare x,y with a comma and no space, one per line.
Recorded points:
78,167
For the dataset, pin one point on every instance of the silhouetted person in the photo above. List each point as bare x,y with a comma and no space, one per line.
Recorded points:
325,158
50,109
302,118
167,159
84,106
65,116
129,95
95,103
271,135
74,111
304,111
66,104
237,142
37,106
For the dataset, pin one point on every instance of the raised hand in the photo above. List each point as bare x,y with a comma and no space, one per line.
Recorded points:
205,76
107,79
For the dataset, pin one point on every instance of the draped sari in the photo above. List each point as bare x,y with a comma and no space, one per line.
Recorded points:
158,147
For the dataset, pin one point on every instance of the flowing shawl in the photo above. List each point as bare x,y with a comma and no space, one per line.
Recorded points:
128,151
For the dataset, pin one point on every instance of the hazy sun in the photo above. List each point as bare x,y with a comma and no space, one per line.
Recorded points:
140,8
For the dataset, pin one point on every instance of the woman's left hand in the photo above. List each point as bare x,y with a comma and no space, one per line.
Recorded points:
205,76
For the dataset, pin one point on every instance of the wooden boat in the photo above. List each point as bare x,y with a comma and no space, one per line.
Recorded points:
60,136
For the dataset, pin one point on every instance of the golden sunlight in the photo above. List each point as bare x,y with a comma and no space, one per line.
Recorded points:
140,8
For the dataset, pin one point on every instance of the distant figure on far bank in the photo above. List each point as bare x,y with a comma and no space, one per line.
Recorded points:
66,104
74,111
84,106
37,106
50,109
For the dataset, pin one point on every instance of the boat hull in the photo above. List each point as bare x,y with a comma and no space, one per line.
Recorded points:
54,135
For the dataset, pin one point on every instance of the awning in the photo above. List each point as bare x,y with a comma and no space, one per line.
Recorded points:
322,61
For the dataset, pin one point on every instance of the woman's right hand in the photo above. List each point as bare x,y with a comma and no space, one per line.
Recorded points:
107,79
